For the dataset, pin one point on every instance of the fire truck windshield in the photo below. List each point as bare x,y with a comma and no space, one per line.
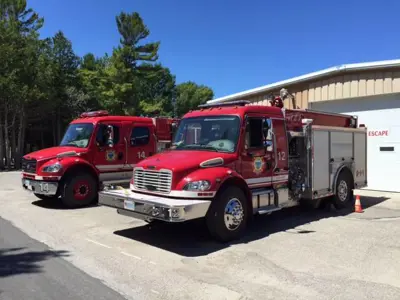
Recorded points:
77,135
208,133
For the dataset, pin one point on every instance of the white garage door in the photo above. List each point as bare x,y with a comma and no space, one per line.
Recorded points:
381,116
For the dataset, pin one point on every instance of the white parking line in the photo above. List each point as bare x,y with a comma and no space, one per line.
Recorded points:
131,255
97,243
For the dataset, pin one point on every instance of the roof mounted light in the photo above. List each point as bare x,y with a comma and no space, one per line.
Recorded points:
97,113
231,103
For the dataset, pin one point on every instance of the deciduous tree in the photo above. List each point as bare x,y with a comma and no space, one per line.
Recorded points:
190,95
44,84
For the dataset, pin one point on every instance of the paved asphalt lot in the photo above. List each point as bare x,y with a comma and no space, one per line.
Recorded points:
30,270
296,254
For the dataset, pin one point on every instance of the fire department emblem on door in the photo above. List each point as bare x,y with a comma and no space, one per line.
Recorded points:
258,165
110,155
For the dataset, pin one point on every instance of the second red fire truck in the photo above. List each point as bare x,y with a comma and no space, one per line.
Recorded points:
97,148
230,161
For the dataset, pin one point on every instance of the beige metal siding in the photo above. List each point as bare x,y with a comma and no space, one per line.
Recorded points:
396,82
387,82
354,85
301,96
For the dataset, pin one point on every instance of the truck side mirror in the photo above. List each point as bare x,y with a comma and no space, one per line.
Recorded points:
174,127
267,129
267,135
110,136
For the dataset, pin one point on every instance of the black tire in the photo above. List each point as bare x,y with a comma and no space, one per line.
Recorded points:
46,197
215,218
79,190
344,190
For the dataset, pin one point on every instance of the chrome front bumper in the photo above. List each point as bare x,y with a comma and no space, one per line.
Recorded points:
48,188
146,207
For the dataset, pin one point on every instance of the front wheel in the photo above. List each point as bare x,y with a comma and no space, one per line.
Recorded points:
227,216
79,190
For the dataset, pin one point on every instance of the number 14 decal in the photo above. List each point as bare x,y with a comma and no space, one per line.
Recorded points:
141,154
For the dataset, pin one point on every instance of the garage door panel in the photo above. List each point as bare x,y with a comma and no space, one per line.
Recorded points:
381,115
386,160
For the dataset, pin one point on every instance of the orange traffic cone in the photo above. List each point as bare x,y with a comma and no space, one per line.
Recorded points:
357,206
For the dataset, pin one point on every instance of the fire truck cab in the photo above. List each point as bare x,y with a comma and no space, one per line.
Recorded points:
230,161
96,148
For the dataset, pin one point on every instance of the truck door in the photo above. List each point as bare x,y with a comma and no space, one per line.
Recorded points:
257,155
109,159
280,172
142,142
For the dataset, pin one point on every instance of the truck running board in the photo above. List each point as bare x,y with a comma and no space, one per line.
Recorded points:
264,201
268,209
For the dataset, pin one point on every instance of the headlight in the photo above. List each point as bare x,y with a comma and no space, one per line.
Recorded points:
52,168
201,185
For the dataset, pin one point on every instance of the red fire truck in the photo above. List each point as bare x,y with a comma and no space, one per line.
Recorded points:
97,148
246,160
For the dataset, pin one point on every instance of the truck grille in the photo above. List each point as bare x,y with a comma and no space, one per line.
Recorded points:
29,165
153,180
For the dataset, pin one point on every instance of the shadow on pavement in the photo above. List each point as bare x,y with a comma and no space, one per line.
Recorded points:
191,239
57,204
14,261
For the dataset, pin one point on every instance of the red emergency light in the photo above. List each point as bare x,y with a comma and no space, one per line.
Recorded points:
97,113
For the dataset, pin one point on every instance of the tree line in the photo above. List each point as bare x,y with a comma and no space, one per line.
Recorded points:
44,84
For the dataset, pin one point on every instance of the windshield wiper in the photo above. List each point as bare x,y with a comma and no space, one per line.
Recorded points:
202,146
211,148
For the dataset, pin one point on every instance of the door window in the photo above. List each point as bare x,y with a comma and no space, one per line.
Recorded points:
259,133
386,148
254,134
140,136
102,134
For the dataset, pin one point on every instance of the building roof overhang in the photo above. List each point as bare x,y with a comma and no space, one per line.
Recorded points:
310,76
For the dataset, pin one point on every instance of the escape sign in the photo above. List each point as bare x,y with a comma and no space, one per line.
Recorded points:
378,133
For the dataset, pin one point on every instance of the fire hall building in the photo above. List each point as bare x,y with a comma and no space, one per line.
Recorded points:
370,91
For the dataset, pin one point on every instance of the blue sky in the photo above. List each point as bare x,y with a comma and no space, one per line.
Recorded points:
236,45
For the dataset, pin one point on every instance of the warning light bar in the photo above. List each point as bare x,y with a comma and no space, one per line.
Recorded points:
97,113
231,103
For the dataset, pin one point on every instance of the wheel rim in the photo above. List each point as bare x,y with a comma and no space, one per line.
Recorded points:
81,190
342,191
233,214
